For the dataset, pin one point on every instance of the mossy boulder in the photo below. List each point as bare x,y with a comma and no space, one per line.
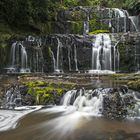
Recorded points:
47,92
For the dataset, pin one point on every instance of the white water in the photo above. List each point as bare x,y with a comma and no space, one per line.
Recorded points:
83,101
86,26
69,57
102,55
76,105
13,98
19,59
91,102
24,59
54,61
120,13
134,20
58,59
75,58
10,118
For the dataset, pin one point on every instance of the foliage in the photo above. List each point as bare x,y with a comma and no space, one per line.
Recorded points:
25,14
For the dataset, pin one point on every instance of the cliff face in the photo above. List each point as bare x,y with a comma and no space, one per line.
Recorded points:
69,40
72,21
127,44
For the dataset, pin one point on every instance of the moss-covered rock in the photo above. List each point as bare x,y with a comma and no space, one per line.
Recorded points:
134,84
47,92
98,32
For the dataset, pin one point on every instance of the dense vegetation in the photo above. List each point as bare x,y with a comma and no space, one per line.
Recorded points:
24,15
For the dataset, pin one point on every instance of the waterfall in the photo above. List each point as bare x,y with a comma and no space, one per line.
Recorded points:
13,49
134,20
59,57
69,56
66,100
75,58
84,100
38,58
58,52
101,101
54,61
24,59
120,13
19,59
102,54
12,98
86,26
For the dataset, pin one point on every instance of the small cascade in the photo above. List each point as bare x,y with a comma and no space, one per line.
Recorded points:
26,56
102,54
69,57
13,53
12,98
110,102
24,60
54,61
84,100
38,60
86,26
135,22
19,59
132,20
59,57
68,97
75,58
120,13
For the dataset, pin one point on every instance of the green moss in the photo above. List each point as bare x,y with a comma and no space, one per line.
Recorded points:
98,31
31,84
49,51
134,84
44,92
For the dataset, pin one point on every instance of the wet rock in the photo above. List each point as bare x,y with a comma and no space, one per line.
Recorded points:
124,89
116,106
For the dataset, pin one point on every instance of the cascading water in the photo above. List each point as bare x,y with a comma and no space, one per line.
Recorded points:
26,56
84,100
75,58
86,26
120,13
59,59
69,56
102,54
24,60
54,61
12,98
19,59
135,22
38,59
101,101
13,53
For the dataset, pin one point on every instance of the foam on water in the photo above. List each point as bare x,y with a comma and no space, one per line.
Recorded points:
10,118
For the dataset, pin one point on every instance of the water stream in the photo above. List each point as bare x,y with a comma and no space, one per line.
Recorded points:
80,115
62,123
